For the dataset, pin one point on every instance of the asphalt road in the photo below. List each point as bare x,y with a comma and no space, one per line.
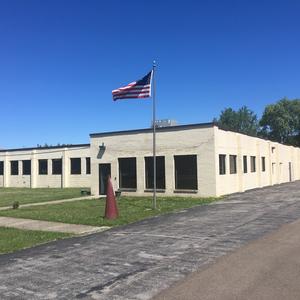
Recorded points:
268,268
140,260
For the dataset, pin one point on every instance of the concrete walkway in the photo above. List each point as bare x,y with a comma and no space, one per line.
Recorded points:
52,202
140,260
49,226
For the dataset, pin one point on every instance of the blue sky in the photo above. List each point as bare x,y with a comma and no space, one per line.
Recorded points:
59,61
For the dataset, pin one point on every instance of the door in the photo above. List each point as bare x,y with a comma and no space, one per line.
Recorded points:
290,171
104,172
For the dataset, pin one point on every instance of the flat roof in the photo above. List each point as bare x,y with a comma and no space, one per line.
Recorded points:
158,129
45,148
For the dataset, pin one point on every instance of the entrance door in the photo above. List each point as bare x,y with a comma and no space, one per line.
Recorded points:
104,172
290,171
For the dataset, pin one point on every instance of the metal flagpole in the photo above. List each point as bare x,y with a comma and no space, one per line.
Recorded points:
154,136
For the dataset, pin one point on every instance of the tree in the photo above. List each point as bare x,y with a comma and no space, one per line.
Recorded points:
243,120
281,121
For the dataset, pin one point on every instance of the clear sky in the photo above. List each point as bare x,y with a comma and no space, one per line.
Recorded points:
59,61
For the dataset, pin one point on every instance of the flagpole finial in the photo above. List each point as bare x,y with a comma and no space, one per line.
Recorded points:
154,63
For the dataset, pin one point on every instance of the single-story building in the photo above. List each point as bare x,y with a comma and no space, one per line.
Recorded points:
60,166
194,160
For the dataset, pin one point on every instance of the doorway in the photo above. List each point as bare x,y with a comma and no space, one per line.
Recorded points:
104,172
290,171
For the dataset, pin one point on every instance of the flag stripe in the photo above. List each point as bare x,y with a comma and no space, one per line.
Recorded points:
133,91
132,94
122,97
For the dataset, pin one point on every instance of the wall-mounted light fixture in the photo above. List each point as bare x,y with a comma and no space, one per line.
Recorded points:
102,147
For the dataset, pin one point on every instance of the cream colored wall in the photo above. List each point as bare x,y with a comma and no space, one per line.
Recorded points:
199,141
231,143
54,181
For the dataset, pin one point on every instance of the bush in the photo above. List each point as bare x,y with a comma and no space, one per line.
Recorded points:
15,205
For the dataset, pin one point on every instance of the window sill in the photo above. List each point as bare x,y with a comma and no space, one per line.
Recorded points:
186,191
157,190
126,190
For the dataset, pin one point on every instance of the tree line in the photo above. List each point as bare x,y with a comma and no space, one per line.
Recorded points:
280,122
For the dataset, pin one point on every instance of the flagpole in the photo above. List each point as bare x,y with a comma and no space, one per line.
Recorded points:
154,135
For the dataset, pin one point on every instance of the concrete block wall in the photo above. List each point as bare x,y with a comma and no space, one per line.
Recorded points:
192,141
36,180
278,159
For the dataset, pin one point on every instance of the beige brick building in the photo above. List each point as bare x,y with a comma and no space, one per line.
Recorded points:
46,167
194,160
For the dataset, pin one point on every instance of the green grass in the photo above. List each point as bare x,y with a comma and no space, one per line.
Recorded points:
26,195
90,212
15,239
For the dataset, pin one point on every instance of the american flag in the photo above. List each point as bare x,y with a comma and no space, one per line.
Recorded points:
137,89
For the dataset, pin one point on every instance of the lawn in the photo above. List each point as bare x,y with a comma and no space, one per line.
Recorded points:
90,212
26,195
15,239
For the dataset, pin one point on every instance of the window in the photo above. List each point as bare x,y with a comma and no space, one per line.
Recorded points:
88,165
1,168
75,166
160,172
26,166
263,164
253,163
222,164
57,166
14,167
127,173
186,172
43,166
232,164
245,166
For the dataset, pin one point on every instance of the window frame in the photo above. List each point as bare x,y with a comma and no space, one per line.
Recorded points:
177,163
253,164
26,167
233,164
160,176
263,164
132,175
41,167
1,167
14,164
74,168
222,164
87,165
54,162
245,164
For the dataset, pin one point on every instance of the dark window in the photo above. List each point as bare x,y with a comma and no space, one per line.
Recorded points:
263,164
186,172
253,163
222,164
127,173
1,167
245,164
14,167
160,172
75,166
57,166
43,166
232,164
88,165
26,166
